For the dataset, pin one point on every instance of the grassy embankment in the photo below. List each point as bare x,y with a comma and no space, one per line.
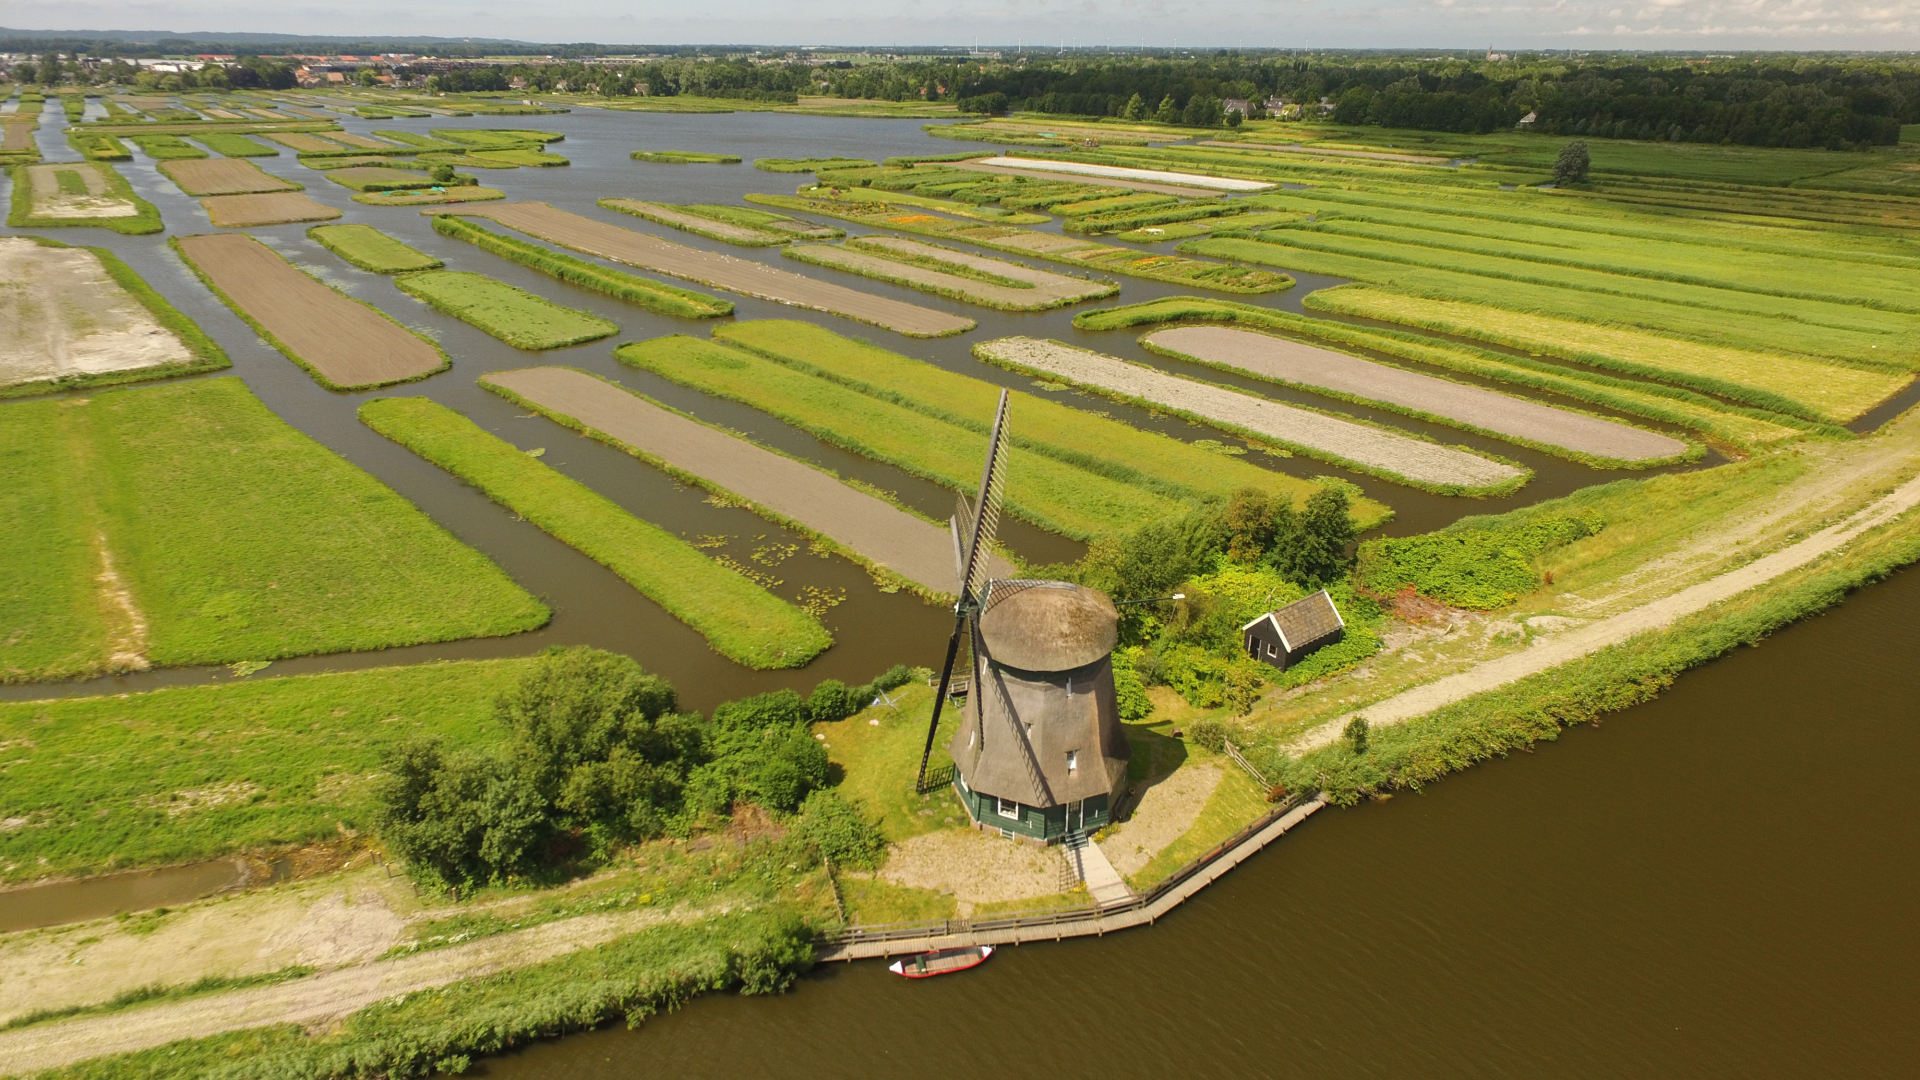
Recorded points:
708,225
684,157
307,554
515,316
1083,475
228,144
742,621
205,352
646,293
1168,268
372,250
1738,426
145,219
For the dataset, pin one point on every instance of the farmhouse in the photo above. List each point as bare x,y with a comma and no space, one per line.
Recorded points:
1282,637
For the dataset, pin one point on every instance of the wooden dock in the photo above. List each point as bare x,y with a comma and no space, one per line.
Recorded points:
869,942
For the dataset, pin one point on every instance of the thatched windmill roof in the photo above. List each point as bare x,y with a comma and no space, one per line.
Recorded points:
1047,625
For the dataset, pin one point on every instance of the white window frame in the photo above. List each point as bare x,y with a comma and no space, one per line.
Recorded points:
1073,760
1000,806
1271,651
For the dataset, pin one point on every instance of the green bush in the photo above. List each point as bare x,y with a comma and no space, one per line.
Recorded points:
1208,734
1471,566
839,830
1129,693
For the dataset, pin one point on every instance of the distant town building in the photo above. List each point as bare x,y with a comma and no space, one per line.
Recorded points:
1527,120
1241,105
1281,638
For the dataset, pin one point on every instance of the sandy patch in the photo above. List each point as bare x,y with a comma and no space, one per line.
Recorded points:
348,343
242,211
126,627
1314,368
18,137
50,202
1166,811
976,868
743,276
222,176
1401,455
65,316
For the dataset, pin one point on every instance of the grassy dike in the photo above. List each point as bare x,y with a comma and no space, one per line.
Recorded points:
742,621
652,295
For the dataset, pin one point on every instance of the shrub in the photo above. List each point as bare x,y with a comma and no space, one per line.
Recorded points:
840,831
831,701
1356,734
1129,692
1572,164
441,173
1471,566
1210,734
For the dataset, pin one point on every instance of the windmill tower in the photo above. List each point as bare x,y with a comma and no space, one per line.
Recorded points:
1039,754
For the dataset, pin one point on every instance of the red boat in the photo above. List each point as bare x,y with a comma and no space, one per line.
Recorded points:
941,961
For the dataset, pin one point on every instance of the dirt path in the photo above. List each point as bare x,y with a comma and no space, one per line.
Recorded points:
743,276
882,533
222,176
1295,364
1044,290
1400,455
317,999
349,344
1570,645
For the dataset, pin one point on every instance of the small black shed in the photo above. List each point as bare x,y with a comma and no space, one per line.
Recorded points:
1280,638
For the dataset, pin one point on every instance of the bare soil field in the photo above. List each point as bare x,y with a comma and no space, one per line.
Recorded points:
346,343
742,276
66,316
280,208
222,176
978,165
304,143
879,532
694,223
1047,290
1323,369
50,202
18,137
363,176
1373,448
364,142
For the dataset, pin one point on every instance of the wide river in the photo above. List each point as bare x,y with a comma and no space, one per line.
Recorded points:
1717,884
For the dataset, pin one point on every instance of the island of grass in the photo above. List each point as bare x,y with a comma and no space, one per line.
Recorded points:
166,147
976,279
187,524
79,194
684,157
741,620
515,316
731,224
370,249
803,165
652,295
229,144
79,317
435,196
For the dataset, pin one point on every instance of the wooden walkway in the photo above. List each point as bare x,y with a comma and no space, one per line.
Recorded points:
862,943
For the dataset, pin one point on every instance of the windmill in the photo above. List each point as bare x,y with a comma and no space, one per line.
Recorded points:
1039,754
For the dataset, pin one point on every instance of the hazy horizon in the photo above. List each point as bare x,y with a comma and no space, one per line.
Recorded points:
1733,25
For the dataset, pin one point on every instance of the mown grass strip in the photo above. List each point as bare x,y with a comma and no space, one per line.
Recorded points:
1735,424
515,316
1076,437
228,144
742,621
372,250
1050,493
652,295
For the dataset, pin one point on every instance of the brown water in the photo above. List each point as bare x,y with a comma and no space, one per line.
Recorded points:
110,894
1717,884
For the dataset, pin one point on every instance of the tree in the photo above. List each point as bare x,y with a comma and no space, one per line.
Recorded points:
1311,549
1167,112
367,77
1136,108
1356,733
25,73
1572,164
1250,524
441,173
1201,111
1234,118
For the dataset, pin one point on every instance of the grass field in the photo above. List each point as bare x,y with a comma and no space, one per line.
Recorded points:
742,621
684,157
370,249
166,147
801,165
306,554
883,198
191,773
515,316
40,202
228,144
644,292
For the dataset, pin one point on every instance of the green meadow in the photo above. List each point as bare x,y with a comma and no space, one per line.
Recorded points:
515,316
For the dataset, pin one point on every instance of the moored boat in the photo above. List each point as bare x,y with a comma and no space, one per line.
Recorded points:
941,961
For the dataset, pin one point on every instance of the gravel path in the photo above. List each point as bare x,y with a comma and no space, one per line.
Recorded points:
349,343
314,1001
882,533
1551,652
1323,369
743,276
1046,290
1400,455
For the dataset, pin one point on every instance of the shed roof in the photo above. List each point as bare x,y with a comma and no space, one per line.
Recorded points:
1047,625
1304,621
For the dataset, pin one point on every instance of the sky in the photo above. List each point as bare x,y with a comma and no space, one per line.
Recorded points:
1546,24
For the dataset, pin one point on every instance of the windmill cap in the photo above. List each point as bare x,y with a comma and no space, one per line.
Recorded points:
1047,625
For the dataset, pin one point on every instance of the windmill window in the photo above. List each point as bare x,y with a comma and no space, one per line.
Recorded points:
1073,760
1006,808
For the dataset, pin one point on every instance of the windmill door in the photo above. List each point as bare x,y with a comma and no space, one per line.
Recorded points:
1077,816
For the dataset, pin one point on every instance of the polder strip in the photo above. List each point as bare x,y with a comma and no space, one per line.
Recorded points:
929,275
652,295
515,316
742,621
1049,493
372,250
1076,437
